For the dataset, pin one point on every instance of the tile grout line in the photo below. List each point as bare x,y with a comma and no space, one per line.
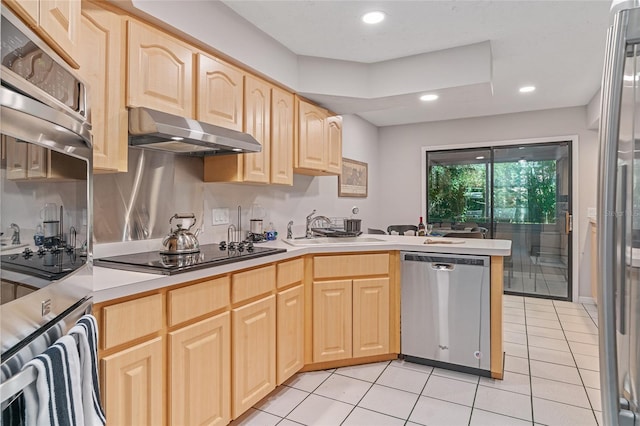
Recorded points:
580,375
419,395
365,394
473,407
533,416
305,398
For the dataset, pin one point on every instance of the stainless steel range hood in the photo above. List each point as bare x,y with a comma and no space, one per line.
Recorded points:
158,130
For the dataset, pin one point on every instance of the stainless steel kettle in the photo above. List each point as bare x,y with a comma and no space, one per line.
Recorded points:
180,240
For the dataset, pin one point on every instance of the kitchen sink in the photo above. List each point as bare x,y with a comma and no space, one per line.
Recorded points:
332,241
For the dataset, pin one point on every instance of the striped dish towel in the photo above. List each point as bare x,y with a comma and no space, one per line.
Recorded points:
55,397
86,333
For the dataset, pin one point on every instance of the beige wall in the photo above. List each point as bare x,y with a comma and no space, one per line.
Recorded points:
284,203
401,162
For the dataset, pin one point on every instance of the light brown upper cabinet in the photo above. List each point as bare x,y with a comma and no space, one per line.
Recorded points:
160,72
56,21
220,93
257,116
334,144
282,107
102,65
268,117
319,144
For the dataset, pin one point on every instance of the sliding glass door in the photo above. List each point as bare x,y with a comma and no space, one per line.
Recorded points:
520,193
459,188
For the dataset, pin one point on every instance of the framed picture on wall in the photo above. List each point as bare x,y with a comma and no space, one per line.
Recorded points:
353,181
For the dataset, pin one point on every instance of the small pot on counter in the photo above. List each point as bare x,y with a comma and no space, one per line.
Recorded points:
180,240
352,225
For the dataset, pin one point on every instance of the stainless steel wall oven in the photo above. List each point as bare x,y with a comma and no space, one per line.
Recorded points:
46,200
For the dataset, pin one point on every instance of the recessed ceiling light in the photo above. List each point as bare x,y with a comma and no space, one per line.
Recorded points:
430,97
527,89
176,138
480,157
373,17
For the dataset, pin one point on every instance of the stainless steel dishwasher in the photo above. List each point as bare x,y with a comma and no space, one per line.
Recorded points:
445,311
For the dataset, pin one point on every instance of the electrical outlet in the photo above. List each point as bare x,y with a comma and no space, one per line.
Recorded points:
220,216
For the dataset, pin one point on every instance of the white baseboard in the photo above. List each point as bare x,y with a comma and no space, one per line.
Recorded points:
586,300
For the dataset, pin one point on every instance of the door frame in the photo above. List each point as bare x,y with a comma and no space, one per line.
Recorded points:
575,191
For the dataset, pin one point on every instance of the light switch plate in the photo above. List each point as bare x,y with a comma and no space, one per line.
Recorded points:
220,216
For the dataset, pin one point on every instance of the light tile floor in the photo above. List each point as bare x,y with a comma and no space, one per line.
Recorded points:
551,378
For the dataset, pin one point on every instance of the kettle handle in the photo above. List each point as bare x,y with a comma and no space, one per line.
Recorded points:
184,216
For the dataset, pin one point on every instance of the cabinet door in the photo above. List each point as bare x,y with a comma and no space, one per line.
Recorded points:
257,115
332,333
27,10
220,93
38,161
370,317
281,137
16,153
312,134
334,145
102,61
132,382
60,20
290,332
200,373
254,353
160,71
26,161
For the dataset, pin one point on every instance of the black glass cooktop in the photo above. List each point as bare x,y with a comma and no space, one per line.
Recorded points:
48,264
165,264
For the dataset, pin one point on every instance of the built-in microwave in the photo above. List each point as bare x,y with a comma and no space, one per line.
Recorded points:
45,191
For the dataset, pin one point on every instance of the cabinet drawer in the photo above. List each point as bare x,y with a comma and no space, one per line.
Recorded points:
130,320
245,285
351,265
195,300
290,272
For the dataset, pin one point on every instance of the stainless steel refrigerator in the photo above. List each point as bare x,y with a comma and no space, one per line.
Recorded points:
619,222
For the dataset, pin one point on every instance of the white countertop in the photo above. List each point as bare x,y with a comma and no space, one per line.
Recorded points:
114,283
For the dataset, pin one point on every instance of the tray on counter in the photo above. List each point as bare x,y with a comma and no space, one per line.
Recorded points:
332,232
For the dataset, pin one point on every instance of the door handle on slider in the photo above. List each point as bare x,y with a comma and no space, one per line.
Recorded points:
568,222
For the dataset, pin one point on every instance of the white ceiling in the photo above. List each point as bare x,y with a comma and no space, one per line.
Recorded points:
558,46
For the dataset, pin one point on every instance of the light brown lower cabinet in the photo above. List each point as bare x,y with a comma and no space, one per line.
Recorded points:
332,321
370,317
133,385
200,373
254,353
290,332
205,352
350,318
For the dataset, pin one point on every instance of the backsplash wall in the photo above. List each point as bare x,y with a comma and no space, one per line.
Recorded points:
168,184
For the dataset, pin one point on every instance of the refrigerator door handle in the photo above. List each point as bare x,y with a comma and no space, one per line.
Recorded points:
612,81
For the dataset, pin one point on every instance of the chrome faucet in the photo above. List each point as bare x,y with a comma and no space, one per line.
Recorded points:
311,220
289,231
308,233
15,238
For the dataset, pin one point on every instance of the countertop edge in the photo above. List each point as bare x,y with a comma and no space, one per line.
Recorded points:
130,283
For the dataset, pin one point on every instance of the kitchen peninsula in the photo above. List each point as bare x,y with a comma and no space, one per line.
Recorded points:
231,334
